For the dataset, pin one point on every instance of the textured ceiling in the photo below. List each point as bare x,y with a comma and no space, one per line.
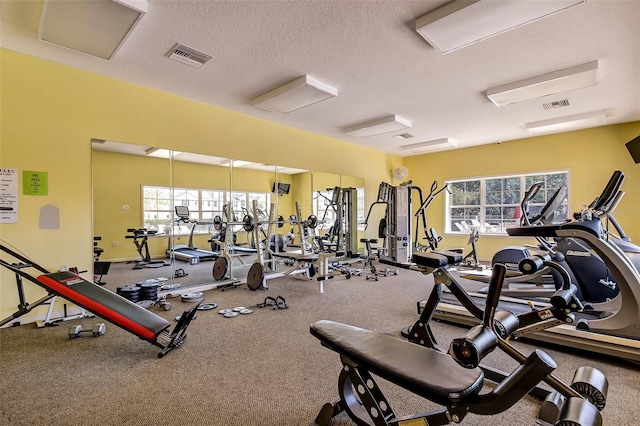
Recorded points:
369,51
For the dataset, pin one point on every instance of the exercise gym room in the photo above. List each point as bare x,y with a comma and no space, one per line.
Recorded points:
326,213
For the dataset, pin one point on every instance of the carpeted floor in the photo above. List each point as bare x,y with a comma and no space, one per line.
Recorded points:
258,369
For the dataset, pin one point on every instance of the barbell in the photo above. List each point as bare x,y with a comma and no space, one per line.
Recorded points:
248,224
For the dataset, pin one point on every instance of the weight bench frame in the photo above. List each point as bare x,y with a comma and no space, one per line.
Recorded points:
108,305
452,380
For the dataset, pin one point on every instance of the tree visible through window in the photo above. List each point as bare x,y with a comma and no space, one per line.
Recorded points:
491,204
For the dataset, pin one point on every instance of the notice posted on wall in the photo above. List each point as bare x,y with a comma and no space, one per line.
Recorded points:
35,183
8,195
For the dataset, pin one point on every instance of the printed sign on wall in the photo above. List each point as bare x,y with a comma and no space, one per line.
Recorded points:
8,196
35,183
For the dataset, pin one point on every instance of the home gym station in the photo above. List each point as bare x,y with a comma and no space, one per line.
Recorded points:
423,242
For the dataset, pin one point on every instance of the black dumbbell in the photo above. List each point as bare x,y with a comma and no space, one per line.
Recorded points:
96,331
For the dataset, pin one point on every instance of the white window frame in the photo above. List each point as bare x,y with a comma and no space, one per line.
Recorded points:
462,225
204,204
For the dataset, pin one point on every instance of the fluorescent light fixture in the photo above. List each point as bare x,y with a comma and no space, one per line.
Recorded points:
552,83
436,144
297,94
460,23
161,153
571,122
235,163
96,27
391,123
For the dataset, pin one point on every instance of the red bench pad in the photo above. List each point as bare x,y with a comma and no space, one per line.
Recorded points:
106,304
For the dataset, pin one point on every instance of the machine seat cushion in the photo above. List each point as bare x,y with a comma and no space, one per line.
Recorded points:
452,256
436,259
106,304
427,372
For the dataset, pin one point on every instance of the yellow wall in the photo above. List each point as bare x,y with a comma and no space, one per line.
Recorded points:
50,112
590,155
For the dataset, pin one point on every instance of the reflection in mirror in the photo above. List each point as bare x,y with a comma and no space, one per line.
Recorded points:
338,203
247,205
201,186
292,206
155,207
121,175
357,207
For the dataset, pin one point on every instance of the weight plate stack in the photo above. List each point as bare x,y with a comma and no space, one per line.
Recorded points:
130,292
149,291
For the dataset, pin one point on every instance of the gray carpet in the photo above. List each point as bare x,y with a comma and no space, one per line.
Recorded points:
259,369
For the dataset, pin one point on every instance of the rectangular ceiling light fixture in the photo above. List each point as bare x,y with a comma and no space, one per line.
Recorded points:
97,27
235,163
436,144
297,94
552,83
570,122
391,123
463,22
161,153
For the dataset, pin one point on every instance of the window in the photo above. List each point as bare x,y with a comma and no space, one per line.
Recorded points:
203,204
491,204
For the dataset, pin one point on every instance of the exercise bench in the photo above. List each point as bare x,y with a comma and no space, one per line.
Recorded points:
106,304
452,380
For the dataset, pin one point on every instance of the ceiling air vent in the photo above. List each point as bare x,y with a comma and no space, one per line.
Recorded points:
403,136
556,104
187,55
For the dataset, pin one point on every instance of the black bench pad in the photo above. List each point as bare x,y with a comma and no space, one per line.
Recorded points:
427,372
436,259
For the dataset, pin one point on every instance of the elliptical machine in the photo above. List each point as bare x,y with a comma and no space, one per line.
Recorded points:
586,270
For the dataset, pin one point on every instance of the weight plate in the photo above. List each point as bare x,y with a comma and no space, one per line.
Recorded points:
217,222
239,309
149,285
170,286
225,311
246,311
255,276
149,281
312,221
220,268
207,306
231,314
192,297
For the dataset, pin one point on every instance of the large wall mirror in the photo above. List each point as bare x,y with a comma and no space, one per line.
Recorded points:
163,211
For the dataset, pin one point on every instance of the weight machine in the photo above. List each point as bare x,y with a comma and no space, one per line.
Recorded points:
343,233
395,227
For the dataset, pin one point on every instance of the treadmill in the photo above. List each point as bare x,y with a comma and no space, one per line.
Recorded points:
188,252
